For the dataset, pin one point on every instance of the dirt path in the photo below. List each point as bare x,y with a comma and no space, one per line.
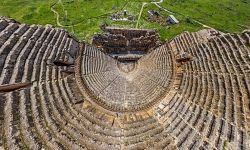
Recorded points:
57,14
158,5
139,17
77,23
137,24
155,3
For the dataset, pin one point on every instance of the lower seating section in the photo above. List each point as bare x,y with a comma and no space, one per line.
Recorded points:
126,91
46,117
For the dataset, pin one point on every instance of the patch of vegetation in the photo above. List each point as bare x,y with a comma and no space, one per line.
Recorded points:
223,15
28,11
82,18
248,45
225,145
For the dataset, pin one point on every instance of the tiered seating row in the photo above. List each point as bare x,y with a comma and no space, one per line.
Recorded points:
111,87
131,130
45,108
210,109
213,98
27,46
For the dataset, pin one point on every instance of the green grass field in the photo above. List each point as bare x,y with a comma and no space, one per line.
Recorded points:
82,18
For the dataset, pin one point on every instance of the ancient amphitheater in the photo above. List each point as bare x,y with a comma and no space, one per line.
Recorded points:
126,91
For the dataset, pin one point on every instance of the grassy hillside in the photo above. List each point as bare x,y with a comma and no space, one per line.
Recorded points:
224,15
83,17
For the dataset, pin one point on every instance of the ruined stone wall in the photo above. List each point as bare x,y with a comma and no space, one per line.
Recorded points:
117,40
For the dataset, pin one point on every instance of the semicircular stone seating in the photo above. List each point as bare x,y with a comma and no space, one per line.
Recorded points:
100,103
119,90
